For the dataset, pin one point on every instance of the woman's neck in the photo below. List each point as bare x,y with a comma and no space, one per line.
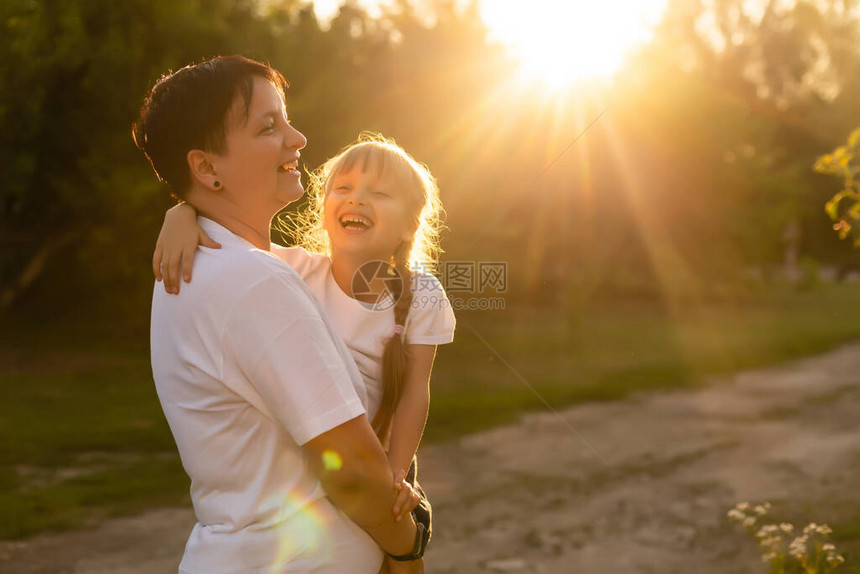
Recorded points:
252,227
255,234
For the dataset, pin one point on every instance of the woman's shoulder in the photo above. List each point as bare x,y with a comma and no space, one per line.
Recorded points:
300,258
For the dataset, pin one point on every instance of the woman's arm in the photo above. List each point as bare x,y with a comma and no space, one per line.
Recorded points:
177,242
410,415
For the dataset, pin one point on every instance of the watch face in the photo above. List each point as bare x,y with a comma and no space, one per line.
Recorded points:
425,538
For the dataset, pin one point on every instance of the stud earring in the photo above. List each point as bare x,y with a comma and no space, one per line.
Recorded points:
217,184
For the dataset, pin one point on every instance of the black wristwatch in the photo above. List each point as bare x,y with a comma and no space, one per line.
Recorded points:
421,539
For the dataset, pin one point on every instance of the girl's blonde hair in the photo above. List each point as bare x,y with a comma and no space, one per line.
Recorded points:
372,151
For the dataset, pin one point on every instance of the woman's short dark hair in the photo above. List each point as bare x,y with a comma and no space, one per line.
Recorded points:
188,110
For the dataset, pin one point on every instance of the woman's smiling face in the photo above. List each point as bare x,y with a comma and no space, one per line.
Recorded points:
260,163
367,214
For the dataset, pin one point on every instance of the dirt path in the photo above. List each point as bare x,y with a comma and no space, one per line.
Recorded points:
533,497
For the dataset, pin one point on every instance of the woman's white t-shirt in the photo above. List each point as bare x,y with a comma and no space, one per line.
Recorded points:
248,369
365,328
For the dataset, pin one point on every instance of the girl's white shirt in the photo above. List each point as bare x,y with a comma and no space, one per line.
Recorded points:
365,328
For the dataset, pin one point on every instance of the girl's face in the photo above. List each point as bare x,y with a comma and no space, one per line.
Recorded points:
259,167
367,216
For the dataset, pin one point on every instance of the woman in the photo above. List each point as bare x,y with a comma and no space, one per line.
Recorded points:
264,402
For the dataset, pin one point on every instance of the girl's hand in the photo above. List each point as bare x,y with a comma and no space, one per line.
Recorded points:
407,497
177,242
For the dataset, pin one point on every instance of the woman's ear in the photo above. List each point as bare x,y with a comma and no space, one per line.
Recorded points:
202,169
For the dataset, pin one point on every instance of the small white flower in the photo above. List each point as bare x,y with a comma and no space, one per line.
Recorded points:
742,506
761,510
786,527
749,522
735,514
828,548
797,548
824,530
771,543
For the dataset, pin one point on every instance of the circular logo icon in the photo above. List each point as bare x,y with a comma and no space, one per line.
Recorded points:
376,285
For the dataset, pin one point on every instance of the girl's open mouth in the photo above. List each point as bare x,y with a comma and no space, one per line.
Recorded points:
356,222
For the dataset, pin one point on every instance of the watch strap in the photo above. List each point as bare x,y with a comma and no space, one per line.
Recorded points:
418,546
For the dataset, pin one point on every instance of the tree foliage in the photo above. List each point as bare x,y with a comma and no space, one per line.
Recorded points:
748,93
694,172
844,207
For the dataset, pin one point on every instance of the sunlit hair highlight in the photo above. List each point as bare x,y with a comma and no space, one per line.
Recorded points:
372,151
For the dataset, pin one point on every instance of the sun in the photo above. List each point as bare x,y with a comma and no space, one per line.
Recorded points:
559,43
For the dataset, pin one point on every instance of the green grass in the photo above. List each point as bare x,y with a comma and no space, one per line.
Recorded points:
82,435
122,489
78,444
615,348
846,537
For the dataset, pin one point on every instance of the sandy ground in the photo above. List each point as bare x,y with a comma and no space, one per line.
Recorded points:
634,486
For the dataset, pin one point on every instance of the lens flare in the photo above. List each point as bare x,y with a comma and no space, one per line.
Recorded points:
331,460
309,531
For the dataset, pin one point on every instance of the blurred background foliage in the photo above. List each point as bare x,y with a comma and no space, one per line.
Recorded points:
697,177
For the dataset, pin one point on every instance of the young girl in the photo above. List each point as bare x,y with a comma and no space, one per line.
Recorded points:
366,248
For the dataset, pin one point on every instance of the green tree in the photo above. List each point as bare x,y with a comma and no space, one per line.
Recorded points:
766,80
79,207
74,74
